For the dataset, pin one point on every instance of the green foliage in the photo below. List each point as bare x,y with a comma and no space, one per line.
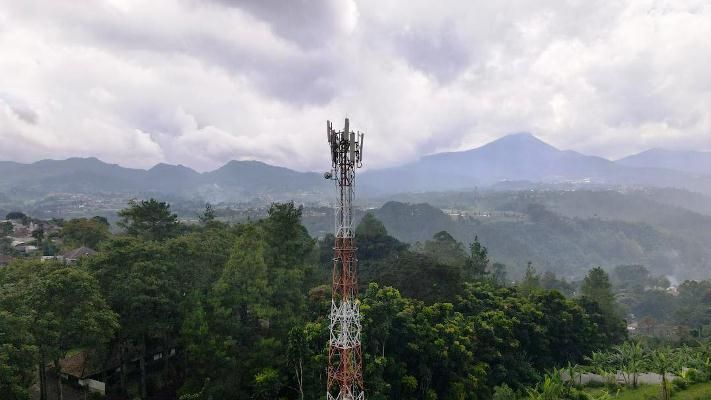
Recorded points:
499,274
664,361
504,392
612,328
247,308
17,353
149,220
374,243
422,277
531,279
679,368
631,276
245,331
51,308
208,215
552,388
376,249
141,283
551,282
655,303
489,336
87,232
597,288
566,245
478,261
266,383
445,249
370,226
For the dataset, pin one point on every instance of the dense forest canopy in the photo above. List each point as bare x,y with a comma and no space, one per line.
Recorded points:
212,310
245,308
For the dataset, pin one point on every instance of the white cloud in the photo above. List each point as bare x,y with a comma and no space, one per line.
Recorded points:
200,83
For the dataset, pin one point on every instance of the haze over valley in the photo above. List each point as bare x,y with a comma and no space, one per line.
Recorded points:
526,200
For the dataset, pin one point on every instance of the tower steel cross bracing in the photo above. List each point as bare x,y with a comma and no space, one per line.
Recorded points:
345,361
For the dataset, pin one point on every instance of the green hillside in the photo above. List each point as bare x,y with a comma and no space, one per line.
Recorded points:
523,230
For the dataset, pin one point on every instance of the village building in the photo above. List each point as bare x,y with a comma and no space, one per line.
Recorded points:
74,255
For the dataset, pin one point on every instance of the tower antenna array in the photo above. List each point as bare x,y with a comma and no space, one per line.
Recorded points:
345,360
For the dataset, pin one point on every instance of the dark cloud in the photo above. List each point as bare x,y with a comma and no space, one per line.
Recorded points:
199,83
309,23
20,109
26,114
441,52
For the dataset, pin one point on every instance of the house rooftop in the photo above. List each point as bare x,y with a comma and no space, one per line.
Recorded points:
78,253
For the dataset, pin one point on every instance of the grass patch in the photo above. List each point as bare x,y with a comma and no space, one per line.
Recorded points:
641,393
700,391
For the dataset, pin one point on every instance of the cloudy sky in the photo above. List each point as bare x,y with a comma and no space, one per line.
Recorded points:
200,82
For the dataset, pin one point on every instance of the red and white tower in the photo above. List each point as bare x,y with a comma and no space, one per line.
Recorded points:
345,361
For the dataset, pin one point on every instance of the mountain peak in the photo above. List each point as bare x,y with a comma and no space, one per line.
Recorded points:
520,135
241,164
518,140
245,162
161,166
168,170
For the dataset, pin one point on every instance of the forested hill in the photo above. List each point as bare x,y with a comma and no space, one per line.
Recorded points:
548,230
235,181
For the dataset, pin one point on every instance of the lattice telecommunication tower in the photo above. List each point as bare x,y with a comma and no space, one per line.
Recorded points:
345,360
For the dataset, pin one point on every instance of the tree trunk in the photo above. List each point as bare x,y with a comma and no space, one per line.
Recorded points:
300,378
142,362
58,371
42,376
168,363
665,390
122,355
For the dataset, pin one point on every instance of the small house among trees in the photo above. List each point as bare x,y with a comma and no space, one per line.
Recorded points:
74,255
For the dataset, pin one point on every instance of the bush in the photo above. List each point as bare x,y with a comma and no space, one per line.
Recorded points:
504,392
96,396
695,376
595,384
680,384
580,395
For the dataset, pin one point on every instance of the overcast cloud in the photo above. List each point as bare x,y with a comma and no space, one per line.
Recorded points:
199,83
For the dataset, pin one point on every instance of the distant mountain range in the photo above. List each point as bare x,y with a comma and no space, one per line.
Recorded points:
235,181
514,158
523,157
692,162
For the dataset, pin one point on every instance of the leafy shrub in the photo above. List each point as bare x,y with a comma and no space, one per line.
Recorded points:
504,392
595,384
680,384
